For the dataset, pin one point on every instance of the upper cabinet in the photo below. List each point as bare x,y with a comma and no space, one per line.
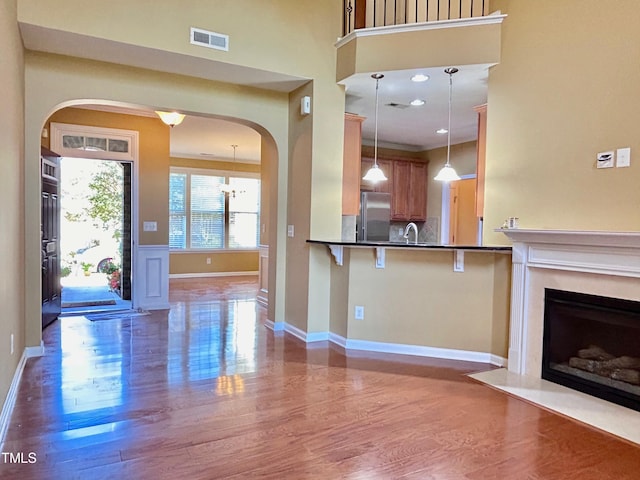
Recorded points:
351,173
407,184
409,194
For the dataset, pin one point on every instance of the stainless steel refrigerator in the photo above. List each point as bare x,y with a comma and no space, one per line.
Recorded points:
375,217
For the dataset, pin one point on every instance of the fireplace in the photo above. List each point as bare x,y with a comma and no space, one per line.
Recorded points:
594,264
591,343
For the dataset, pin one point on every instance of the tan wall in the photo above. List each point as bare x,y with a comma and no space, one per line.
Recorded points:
220,262
313,25
397,51
417,299
68,79
153,160
285,36
566,89
299,206
11,196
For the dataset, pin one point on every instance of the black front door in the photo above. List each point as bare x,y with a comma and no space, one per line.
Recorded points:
50,235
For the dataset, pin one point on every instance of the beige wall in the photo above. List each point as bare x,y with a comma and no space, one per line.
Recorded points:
72,80
417,299
397,51
566,89
313,25
11,195
223,261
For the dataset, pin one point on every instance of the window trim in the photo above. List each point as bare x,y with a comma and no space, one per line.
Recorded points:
214,172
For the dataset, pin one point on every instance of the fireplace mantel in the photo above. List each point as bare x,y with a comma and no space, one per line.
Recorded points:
591,262
574,237
614,254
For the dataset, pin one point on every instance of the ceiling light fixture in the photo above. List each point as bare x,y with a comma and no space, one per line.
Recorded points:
448,174
420,77
171,118
225,188
442,131
375,174
417,102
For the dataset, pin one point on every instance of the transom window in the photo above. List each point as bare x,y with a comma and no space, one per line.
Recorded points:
211,209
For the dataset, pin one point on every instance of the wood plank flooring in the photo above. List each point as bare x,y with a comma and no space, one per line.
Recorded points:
205,391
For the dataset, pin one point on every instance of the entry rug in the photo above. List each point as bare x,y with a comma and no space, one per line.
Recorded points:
121,315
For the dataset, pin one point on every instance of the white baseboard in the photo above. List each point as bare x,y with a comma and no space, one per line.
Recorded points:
213,274
12,394
275,326
398,348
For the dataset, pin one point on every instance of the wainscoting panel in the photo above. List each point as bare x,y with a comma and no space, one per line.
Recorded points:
152,277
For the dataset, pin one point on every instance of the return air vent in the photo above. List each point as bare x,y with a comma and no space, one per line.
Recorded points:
209,39
397,105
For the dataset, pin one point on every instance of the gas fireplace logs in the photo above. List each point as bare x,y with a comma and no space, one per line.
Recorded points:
596,360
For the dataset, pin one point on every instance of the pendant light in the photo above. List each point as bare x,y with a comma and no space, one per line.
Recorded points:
448,174
375,173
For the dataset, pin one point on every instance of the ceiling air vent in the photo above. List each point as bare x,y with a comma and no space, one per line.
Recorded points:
397,105
209,39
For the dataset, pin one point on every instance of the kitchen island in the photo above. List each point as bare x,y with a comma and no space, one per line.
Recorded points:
447,301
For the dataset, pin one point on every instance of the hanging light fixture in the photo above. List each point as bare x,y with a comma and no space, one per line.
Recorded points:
448,174
375,173
171,118
225,187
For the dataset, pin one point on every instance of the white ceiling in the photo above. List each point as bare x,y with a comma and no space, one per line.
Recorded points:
414,128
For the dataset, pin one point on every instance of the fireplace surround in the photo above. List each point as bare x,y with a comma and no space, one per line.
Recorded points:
599,263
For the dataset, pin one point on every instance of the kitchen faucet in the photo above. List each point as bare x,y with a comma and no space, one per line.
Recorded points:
411,226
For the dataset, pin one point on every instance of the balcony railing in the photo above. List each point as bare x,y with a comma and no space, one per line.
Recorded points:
377,13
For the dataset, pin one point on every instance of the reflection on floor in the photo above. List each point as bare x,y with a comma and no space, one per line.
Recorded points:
205,391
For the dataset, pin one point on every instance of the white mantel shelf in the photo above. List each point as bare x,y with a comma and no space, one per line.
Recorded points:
573,237
608,253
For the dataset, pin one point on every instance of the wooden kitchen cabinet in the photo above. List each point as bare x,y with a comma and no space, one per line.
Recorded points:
418,192
481,157
407,184
409,197
387,168
351,164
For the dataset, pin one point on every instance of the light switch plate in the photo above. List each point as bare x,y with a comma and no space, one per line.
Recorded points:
623,157
290,231
150,226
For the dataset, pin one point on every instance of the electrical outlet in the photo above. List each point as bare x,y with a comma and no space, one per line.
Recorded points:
290,231
208,260
359,312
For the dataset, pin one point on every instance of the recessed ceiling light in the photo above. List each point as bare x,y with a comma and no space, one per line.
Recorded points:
420,77
442,130
417,102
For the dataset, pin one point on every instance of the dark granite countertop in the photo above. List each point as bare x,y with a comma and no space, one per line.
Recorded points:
424,246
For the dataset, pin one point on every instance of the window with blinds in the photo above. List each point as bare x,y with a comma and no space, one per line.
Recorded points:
213,210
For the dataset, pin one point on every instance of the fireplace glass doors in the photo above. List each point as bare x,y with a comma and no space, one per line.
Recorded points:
592,344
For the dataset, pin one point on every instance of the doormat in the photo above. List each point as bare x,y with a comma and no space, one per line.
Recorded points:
88,303
121,315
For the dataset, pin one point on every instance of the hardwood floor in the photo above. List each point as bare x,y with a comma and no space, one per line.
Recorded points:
205,391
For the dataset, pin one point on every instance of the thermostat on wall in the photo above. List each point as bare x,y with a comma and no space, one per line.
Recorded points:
605,160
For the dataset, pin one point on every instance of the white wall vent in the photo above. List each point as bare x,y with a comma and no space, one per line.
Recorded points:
204,38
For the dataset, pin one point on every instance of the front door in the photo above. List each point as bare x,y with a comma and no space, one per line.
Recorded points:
50,236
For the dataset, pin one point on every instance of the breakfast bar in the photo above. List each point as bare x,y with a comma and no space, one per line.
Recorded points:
446,301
